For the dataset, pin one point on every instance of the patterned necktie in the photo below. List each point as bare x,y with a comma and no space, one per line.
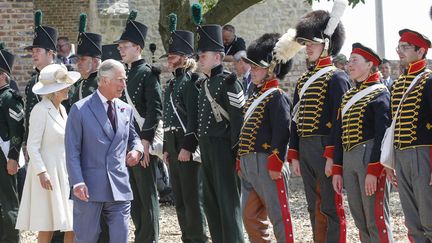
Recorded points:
111,115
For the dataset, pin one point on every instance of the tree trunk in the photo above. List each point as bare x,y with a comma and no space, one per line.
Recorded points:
223,12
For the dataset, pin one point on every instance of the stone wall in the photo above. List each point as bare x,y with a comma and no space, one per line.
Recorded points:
16,31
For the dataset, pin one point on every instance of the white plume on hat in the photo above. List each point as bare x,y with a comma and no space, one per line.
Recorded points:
286,48
335,16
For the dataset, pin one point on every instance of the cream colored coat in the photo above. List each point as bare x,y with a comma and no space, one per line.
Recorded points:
40,209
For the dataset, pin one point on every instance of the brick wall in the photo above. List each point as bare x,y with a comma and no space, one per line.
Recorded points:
16,31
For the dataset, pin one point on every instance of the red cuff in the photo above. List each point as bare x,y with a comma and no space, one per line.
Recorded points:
328,152
274,163
292,154
237,165
375,169
337,170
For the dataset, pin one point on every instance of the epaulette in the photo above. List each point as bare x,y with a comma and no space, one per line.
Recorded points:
230,78
16,95
155,70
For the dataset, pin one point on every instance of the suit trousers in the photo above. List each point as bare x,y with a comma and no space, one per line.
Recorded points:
221,190
262,197
87,217
371,214
9,204
186,182
325,206
145,206
413,171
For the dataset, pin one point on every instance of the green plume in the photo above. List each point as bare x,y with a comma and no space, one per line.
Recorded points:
196,13
133,14
38,18
82,23
2,45
172,22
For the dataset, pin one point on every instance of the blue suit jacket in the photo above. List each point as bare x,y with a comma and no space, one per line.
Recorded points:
95,154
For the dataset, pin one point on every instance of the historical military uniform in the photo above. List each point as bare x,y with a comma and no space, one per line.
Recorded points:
219,123
413,141
312,139
144,91
262,147
186,177
11,137
89,44
360,130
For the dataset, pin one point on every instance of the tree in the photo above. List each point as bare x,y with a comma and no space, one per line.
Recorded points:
215,12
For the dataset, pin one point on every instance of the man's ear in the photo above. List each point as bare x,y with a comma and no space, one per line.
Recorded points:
421,52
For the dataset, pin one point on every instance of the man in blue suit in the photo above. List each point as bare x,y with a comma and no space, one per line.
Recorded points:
99,132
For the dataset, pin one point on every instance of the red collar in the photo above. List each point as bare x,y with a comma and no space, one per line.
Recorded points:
373,78
416,67
273,83
323,62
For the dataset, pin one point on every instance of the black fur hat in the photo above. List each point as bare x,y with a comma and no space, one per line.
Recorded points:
311,28
260,53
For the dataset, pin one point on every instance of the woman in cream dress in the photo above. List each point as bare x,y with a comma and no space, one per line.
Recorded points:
45,204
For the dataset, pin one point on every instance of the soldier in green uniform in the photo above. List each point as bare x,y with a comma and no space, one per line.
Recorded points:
144,94
180,126
220,118
11,137
43,50
89,53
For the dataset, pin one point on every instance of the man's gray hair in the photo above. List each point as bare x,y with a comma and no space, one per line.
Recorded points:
238,56
108,67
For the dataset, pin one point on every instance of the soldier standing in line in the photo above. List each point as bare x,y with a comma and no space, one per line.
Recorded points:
180,135
11,138
317,99
89,54
411,106
363,119
143,93
220,118
263,143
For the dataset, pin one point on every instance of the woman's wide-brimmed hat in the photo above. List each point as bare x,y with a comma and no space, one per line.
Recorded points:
53,78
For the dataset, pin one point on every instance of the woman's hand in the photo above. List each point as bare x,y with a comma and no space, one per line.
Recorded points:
45,181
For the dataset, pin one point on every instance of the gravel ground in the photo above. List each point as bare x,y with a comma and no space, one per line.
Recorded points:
302,230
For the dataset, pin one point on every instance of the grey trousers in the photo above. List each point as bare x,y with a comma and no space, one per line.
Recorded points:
262,197
413,173
370,213
325,206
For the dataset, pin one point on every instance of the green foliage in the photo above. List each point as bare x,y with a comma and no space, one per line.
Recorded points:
172,22
132,15
83,23
353,3
207,4
38,18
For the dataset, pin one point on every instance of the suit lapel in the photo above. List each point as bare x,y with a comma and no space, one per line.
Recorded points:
54,114
98,110
120,120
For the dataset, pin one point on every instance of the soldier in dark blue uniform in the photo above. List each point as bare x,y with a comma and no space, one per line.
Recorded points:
220,118
362,121
263,145
317,99
180,136
89,54
144,94
11,138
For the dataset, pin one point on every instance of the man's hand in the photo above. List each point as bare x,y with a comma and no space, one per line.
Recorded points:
81,192
391,176
328,167
295,165
370,184
274,175
12,166
145,162
132,158
184,155
166,158
45,181
337,184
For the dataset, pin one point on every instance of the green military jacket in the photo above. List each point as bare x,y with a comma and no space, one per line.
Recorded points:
83,88
30,101
184,93
11,120
144,89
227,91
